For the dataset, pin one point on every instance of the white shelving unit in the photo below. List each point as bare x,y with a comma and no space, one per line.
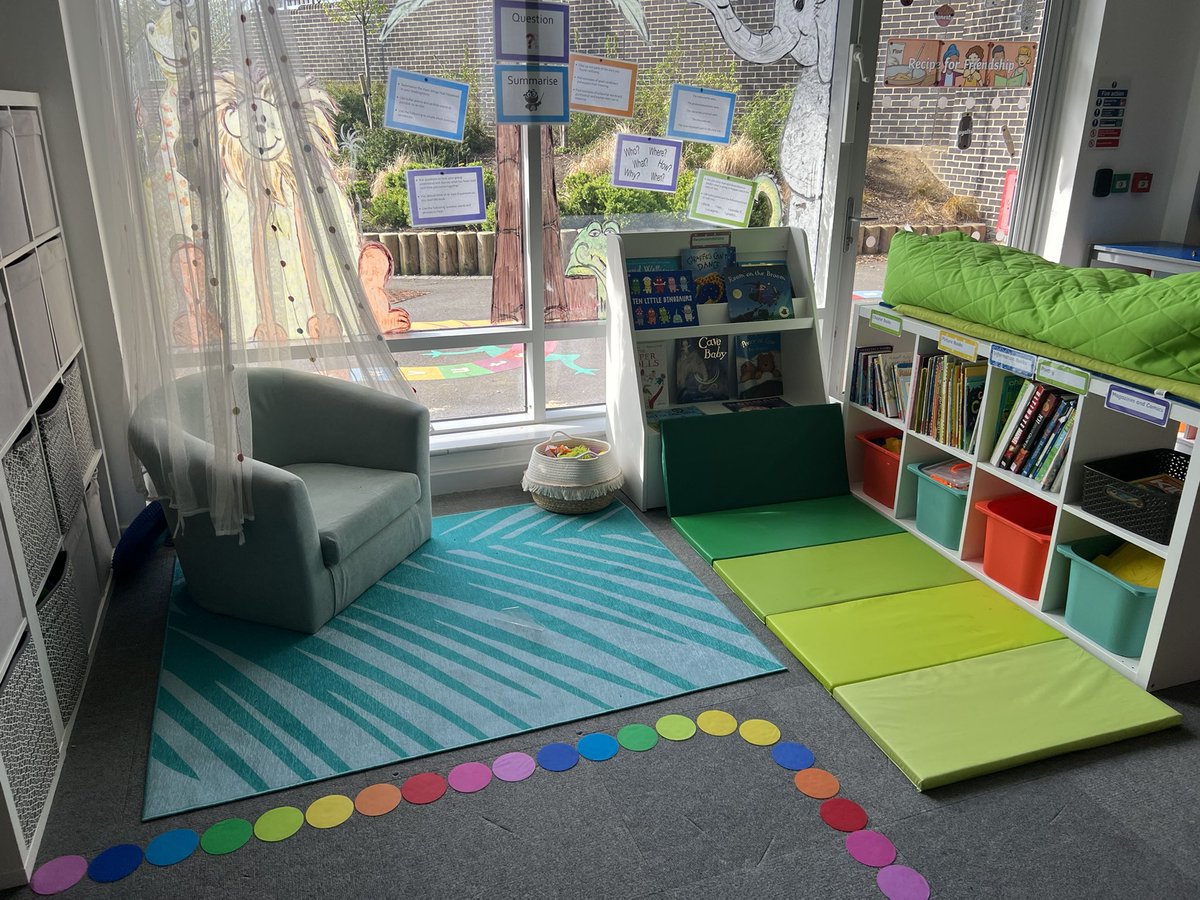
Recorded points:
57,518
1169,655
638,445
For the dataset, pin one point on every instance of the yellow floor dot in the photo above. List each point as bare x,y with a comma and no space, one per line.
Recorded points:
716,722
759,732
329,812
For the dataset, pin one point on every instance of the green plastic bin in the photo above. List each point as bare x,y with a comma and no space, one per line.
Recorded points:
1113,613
940,508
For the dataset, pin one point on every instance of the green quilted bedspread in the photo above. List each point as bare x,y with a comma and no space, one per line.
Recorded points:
1133,327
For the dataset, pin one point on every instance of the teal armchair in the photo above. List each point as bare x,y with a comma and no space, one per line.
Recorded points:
340,493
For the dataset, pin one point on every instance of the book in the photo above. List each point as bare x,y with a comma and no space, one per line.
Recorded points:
703,370
1010,389
1043,417
858,374
946,399
888,391
757,358
1052,480
975,377
1008,428
1028,414
760,403
654,416
652,373
1049,433
654,264
758,293
661,299
1168,484
707,265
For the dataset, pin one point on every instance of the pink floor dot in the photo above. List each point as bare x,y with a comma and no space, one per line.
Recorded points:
513,766
469,777
871,848
902,883
58,874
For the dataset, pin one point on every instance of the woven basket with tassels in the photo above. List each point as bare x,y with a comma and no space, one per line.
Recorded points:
581,484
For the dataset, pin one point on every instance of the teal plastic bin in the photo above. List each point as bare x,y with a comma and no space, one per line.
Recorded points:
1113,613
940,508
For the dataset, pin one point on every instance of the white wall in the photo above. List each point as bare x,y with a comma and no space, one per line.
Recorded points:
1157,52
33,57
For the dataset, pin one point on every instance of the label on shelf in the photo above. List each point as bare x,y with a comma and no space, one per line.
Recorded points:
700,239
958,345
1060,375
886,321
1138,404
1016,361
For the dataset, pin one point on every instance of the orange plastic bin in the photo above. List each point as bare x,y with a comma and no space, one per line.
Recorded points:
1017,541
880,466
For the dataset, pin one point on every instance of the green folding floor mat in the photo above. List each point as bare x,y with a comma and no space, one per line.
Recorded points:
781,526
772,583
879,636
949,723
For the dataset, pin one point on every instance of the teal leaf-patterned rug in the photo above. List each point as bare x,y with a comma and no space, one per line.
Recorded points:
508,620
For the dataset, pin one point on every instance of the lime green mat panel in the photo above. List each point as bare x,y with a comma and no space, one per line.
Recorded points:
879,636
781,526
772,583
771,456
953,722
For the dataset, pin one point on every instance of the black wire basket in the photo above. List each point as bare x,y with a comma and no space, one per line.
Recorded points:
1108,491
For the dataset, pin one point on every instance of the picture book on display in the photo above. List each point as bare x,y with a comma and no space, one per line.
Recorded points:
653,264
707,265
758,293
703,370
757,359
761,403
948,394
662,299
652,373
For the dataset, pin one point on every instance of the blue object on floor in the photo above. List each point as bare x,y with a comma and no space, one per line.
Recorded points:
172,847
557,757
115,863
792,755
143,536
507,621
598,746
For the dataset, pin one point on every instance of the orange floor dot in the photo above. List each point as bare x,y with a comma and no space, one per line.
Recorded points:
378,799
817,783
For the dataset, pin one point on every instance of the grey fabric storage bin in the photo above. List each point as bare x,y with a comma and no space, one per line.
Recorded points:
14,229
60,301
33,504
28,304
81,420
30,745
62,462
83,566
35,171
102,545
12,616
62,634
13,401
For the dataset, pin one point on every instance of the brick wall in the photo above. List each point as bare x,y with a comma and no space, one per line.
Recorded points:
933,122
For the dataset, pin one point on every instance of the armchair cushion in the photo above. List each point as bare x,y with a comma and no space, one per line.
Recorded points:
351,505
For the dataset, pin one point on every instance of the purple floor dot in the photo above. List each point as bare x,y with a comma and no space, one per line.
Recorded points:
871,848
902,883
513,766
58,874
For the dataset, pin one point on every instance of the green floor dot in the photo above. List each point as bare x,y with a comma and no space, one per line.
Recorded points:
226,836
278,824
637,737
675,728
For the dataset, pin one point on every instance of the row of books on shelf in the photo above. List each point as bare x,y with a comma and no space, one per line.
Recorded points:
947,398
880,380
1035,434
745,370
665,292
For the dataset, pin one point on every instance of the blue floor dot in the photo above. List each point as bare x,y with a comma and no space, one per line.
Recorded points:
115,863
557,757
172,847
792,756
598,746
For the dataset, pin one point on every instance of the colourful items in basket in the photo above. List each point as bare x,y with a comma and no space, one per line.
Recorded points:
1133,564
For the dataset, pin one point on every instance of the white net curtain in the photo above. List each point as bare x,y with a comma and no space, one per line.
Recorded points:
246,246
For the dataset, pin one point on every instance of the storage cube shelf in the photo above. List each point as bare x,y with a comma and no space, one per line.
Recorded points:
56,511
1168,655
638,446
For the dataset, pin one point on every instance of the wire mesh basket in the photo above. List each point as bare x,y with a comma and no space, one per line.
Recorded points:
62,460
1111,491
62,633
81,422
30,745
33,503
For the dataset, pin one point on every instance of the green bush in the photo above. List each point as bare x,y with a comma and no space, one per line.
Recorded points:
582,194
586,129
762,122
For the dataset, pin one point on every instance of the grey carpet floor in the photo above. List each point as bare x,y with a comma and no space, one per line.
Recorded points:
709,817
